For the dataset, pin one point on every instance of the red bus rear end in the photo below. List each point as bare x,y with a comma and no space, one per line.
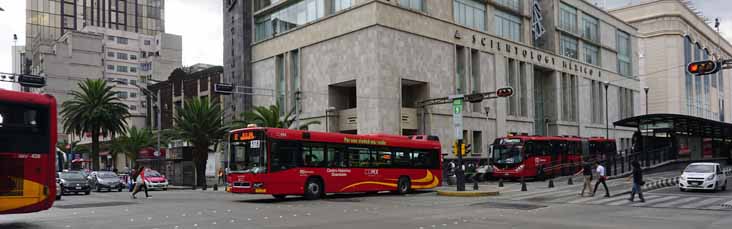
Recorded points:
538,156
27,152
284,162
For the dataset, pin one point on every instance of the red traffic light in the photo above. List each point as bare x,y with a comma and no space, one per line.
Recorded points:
504,92
703,67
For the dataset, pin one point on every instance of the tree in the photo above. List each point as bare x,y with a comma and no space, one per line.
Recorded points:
94,108
199,122
130,144
270,117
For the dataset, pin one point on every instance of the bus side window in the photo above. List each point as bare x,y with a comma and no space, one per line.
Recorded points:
384,158
286,155
337,157
402,158
360,157
420,159
313,155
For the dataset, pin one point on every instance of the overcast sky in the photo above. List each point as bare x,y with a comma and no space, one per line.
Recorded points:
200,24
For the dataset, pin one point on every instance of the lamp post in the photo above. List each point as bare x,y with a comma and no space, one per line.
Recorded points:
607,116
327,113
646,90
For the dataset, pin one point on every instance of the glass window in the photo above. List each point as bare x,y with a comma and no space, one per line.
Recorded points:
122,56
568,46
624,67
384,158
133,57
110,67
133,69
147,42
469,13
360,157
337,157
513,4
121,68
133,82
412,4
110,54
568,18
590,27
122,94
689,83
508,26
133,107
402,158
313,155
339,5
133,94
287,18
592,54
24,129
111,38
122,40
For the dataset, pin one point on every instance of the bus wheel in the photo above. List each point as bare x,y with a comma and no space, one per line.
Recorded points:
403,185
313,189
279,197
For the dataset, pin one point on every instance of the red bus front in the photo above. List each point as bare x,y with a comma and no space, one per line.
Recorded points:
27,152
536,156
283,162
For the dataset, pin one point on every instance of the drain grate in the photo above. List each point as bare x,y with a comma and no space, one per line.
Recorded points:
509,205
93,205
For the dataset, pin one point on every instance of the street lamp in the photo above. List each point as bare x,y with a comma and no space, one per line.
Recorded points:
607,117
155,97
646,90
327,113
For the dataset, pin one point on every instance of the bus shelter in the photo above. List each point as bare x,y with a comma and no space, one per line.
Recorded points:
680,136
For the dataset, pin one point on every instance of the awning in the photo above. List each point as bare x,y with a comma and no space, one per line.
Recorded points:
689,125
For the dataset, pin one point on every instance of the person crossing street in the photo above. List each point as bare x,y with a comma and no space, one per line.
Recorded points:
601,178
586,172
637,182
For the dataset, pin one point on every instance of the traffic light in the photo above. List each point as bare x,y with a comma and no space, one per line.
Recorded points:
464,149
455,148
504,92
705,67
467,149
32,81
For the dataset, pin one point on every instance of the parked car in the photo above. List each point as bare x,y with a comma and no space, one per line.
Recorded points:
703,176
484,172
105,180
73,182
155,180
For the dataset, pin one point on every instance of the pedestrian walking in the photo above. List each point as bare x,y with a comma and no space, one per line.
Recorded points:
601,179
140,183
586,172
221,176
637,182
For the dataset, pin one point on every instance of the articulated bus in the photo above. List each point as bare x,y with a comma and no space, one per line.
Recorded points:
27,152
283,162
546,156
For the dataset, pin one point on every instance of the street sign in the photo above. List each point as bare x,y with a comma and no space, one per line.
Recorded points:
504,92
32,81
705,67
474,98
224,88
457,116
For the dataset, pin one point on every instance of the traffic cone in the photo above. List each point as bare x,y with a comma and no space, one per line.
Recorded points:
500,183
551,183
523,185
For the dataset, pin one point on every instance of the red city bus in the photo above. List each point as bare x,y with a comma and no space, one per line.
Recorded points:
27,152
283,162
545,156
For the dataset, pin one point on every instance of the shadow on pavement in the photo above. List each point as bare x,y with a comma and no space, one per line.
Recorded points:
19,225
338,197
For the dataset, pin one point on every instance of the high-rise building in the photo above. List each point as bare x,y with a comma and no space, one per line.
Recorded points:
47,20
237,53
362,66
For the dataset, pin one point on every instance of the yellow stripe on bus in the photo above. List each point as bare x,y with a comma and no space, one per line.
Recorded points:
32,194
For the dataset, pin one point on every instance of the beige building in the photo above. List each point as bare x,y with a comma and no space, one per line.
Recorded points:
362,66
672,36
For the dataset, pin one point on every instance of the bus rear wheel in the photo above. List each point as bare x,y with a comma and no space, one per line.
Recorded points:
313,189
403,185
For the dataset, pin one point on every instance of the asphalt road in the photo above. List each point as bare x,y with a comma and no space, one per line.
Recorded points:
199,209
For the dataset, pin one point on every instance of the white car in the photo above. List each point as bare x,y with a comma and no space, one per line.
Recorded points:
703,176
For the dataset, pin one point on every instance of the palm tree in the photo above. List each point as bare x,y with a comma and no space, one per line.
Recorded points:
199,123
95,109
130,144
270,117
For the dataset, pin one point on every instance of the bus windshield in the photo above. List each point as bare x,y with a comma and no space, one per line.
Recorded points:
249,156
23,128
507,153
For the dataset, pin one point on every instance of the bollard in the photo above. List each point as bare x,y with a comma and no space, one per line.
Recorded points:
194,187
500,183
475,184
523,185
569,181
216,187
551,183
205,186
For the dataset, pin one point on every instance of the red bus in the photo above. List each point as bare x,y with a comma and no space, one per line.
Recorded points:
283,162
27,152
545,156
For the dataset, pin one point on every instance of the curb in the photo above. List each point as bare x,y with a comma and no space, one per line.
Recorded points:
467,193
662,183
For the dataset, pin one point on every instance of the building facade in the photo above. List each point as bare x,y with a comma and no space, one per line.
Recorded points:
173,93
237,53
672,36
362,66
17,61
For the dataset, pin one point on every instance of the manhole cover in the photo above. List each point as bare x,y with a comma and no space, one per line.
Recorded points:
509,205
93,205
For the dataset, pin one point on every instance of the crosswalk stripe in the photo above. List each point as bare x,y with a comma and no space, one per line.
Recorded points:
677,202
584,199
702,203
625,200
649,202
609,200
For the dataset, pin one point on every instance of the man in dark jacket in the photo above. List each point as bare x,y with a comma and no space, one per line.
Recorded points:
587,177
637,182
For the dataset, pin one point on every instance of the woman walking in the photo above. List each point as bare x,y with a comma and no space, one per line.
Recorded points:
637,182
587,174
140,183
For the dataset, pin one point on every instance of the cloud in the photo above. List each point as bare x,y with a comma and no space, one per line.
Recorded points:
12,21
